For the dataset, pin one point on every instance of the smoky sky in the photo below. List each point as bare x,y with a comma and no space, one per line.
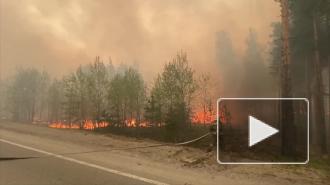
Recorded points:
59,35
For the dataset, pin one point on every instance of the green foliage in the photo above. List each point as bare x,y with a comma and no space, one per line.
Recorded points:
85,92
25,94
126,96
71,102
171,95
321,163
154,111
97,81
55,99
302,40
309,54
98,91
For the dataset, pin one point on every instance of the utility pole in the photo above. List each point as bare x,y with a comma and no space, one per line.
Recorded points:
288,131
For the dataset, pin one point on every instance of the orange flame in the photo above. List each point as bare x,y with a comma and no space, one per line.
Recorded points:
203,118
64,126
133,123
91,125
86,125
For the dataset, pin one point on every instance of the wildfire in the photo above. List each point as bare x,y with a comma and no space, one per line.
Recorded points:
130,122
133,123
209,118
91,125
86,125
64,125
203,118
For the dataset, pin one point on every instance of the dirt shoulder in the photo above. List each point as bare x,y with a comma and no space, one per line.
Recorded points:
183,158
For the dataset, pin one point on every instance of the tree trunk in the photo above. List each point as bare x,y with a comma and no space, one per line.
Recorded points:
328,57
319,90
287,117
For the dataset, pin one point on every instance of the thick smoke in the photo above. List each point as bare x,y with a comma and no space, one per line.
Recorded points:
59,35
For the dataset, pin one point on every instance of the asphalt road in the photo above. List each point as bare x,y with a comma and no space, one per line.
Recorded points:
33,155
19,166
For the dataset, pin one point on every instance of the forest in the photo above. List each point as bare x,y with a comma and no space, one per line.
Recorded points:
181,101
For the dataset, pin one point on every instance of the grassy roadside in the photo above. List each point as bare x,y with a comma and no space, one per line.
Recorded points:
320,163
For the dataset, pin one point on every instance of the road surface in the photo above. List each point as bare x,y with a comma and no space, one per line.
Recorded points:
63,157
19,166
32,155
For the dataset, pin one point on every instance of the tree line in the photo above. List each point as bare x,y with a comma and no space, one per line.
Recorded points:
309,52
102,92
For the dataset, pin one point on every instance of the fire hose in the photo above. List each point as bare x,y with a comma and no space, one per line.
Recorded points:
146,146
130,148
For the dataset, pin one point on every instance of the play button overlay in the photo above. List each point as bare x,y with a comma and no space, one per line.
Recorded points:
259,131
263,131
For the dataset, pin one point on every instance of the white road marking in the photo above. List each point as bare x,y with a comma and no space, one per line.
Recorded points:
86,163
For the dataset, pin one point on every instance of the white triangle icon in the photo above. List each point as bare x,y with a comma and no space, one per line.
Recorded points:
259,131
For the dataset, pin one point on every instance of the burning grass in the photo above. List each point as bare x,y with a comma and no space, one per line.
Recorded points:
92,125
198,118
86,125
